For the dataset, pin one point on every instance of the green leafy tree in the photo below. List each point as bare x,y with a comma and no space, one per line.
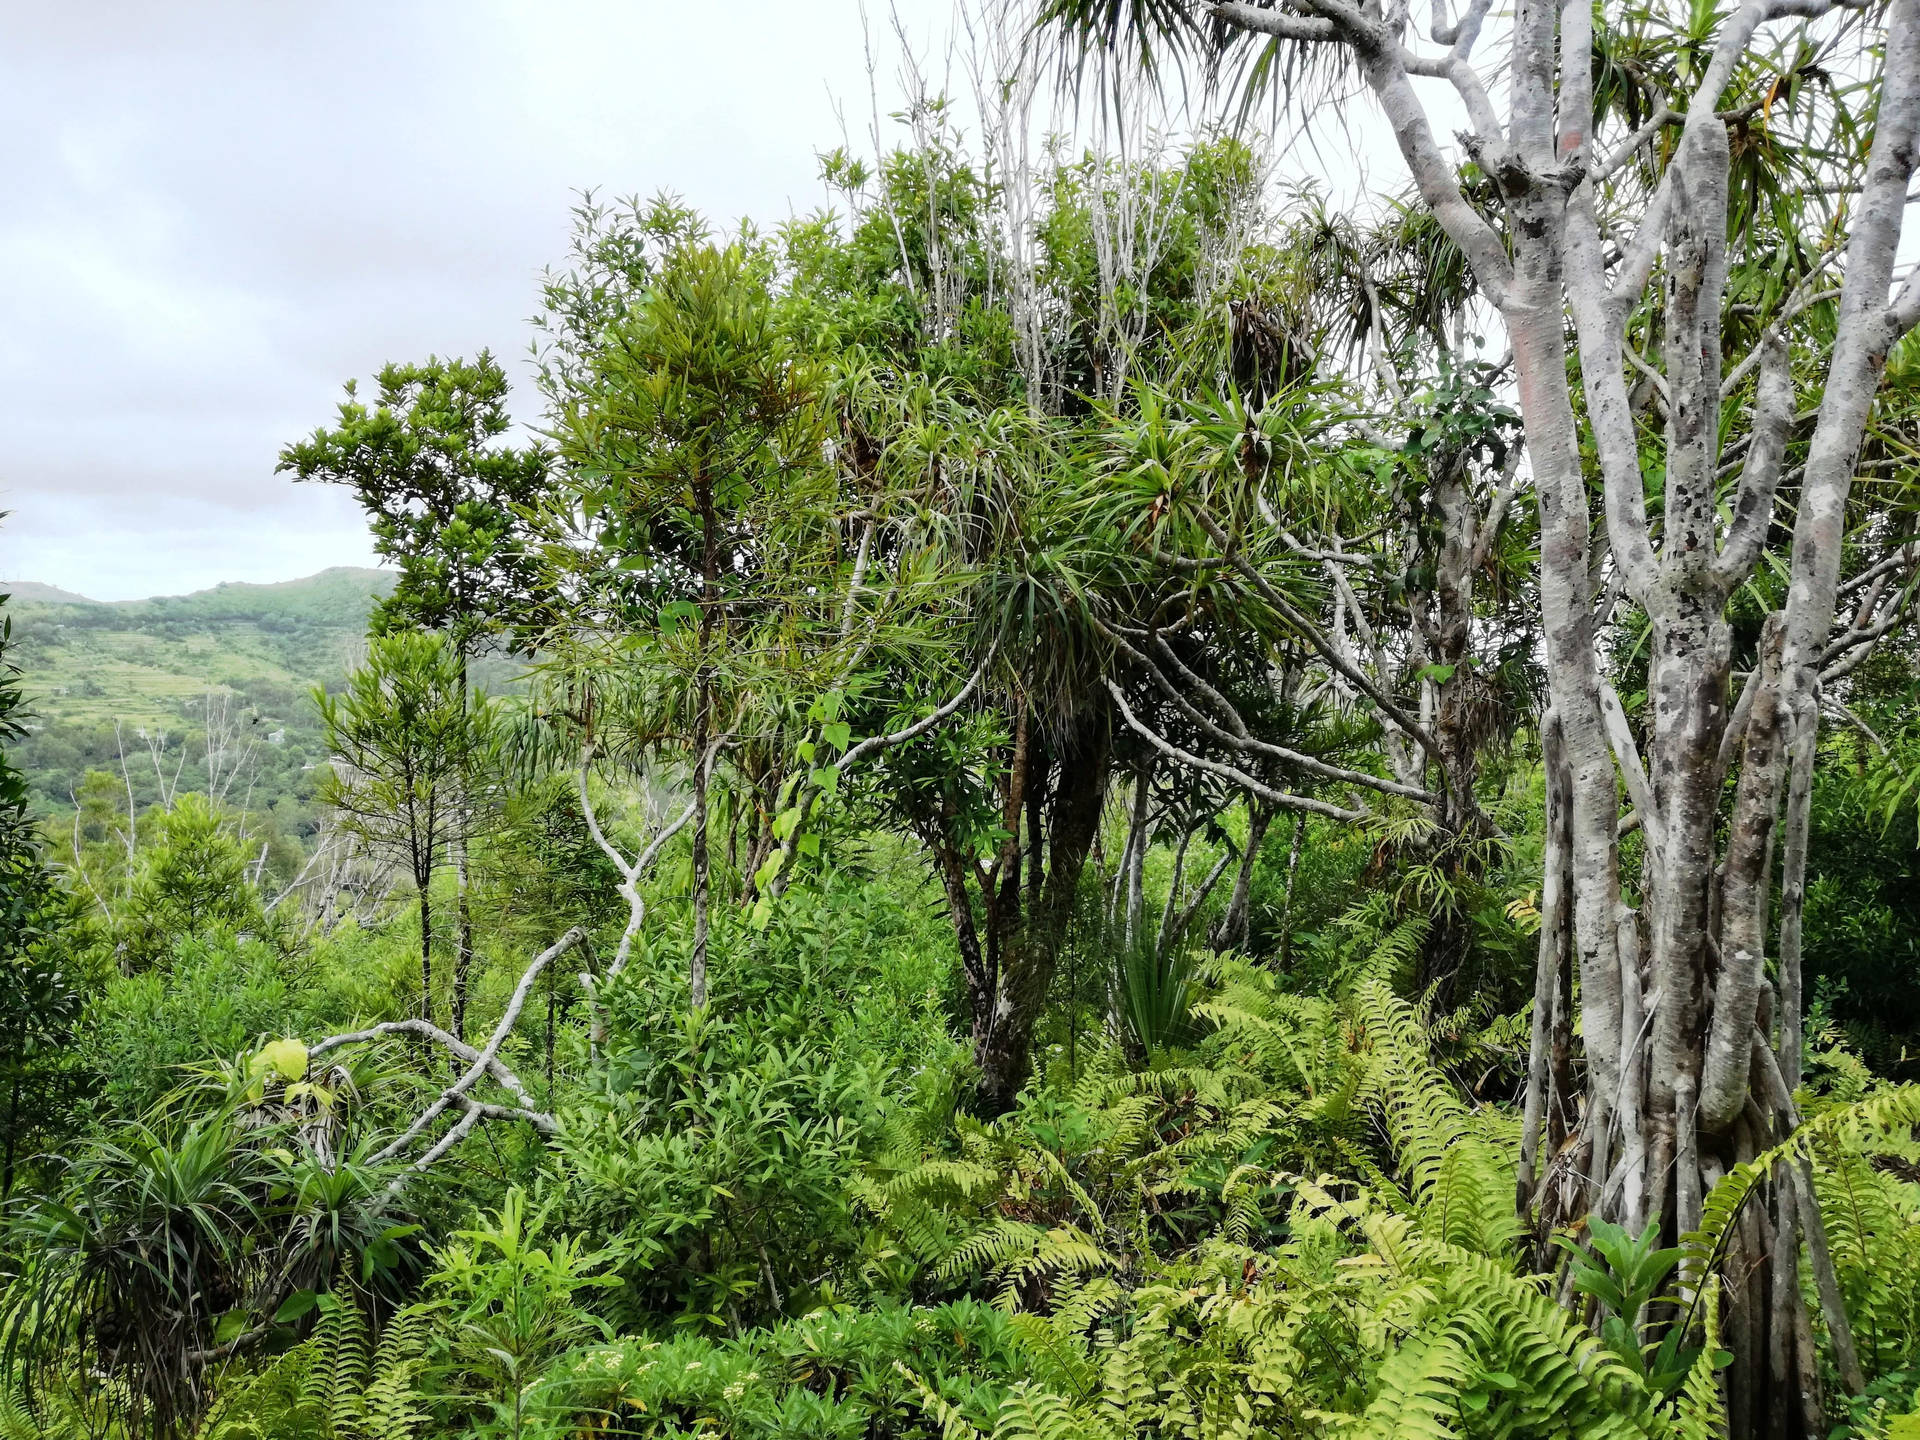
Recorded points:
39,998
405,742
442,493
691,430
191,880
24,878
446,500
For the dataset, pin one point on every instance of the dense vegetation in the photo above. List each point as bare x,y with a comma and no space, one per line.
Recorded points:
202,693
983,838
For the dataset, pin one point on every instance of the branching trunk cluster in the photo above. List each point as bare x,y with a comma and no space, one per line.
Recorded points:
1690,1049
1682,983
1050,797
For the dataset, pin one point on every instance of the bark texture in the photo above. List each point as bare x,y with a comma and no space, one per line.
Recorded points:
1690,1046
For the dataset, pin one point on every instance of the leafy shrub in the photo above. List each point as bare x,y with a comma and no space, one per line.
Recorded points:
214,999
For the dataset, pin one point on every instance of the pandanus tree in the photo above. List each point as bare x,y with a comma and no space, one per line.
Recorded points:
1606,208
1009,831
1037,293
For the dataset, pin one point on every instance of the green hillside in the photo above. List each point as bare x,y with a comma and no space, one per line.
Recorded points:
151,666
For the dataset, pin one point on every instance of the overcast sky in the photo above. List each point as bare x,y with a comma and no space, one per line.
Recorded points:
218,210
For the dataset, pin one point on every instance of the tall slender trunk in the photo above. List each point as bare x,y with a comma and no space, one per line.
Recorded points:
463,952
1231,931
1448,633
423,882
697,967
463,911
463,943
980,980
1539,340
702,739
1548,1101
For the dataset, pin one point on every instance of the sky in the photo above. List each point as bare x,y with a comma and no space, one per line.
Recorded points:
219,210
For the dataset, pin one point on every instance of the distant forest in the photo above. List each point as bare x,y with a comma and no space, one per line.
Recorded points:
208,693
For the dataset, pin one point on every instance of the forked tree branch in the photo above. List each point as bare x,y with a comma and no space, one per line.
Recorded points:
1295,617
482,1063
1284,799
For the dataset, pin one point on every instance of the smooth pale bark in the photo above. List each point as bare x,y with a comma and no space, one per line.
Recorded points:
1690,1101
1574,683
1745,887
1793,891
629,888
1868,326
1554,934
1629,1184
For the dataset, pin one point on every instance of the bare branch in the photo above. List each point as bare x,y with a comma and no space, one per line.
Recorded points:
1860,636
1277,23
1244,742
1282,798
1797,304
1635,142
483,1062
630,873
1906,555
1172,927
1292,614
500,1074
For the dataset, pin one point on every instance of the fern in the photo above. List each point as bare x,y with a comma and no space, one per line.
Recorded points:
1700,1413
1419,1389
336,1377
395,1408
1457,1162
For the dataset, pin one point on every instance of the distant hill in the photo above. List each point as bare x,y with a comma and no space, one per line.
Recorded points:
24,590
151,665
137,660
